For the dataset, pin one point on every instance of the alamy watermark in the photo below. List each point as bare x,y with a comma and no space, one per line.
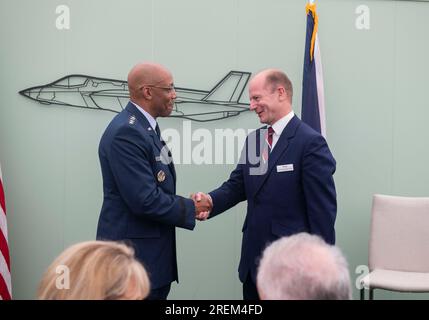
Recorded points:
363,271
62,22
223,146
62,282
363,19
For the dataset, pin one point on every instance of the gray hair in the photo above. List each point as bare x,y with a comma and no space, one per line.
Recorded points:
303,267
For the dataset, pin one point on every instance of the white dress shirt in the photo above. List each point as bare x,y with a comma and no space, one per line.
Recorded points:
278,127
149,118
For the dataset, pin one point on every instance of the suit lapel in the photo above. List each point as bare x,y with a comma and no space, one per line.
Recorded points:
132,109
164,152
280,148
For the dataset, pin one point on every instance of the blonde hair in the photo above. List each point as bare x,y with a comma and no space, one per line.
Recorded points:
96,270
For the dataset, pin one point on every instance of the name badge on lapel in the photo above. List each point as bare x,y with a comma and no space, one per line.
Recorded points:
285,167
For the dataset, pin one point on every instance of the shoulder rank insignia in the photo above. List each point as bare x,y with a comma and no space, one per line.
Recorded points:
132,120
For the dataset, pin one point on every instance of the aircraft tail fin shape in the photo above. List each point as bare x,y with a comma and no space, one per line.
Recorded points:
230,88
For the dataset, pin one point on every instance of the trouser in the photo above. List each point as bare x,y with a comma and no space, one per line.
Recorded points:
249,289
159,293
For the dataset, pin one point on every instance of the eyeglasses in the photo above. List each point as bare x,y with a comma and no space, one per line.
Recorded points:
169,89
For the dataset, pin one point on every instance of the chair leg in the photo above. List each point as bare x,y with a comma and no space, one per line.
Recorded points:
362,293
371,294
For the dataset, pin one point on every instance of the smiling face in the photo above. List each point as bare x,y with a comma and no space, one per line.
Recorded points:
163,95
151,87
270,93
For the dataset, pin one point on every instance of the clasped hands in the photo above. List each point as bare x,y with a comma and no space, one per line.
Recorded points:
203,205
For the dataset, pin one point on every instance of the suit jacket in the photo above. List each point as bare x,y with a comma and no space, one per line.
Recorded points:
140,205
294,192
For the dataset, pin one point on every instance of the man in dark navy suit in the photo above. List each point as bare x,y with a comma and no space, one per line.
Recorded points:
139,180
289,188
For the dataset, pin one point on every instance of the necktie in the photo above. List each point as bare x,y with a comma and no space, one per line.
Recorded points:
270,138
158,132
269,141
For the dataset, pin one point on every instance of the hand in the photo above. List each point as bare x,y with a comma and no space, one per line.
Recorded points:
203,205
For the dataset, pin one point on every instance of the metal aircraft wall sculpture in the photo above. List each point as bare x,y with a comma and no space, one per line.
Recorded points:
82,91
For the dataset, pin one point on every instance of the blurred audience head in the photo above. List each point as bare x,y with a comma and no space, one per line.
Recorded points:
303,267
95,270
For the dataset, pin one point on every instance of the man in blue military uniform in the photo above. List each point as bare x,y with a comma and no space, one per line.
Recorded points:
139,180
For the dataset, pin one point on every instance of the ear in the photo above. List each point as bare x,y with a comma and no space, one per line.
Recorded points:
282,93
147,93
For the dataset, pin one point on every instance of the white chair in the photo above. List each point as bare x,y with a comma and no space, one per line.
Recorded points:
398,245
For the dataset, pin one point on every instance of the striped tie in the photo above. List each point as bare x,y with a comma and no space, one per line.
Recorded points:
269,141
270,137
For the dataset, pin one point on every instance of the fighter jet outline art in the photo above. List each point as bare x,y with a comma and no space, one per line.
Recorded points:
88,92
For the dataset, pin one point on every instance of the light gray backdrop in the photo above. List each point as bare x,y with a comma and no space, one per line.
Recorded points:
376,102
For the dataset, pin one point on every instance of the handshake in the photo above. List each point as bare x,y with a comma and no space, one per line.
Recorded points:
203,205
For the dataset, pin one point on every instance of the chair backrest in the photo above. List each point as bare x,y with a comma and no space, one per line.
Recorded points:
399,237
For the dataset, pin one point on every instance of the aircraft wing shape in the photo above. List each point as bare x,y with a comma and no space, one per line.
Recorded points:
88,92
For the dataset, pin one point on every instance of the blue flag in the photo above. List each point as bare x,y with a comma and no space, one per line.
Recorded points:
313,104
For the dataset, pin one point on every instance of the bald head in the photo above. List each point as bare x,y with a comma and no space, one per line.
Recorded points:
270,93
146,73
274,78
151,87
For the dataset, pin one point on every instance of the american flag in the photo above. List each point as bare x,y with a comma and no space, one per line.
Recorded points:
5,279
